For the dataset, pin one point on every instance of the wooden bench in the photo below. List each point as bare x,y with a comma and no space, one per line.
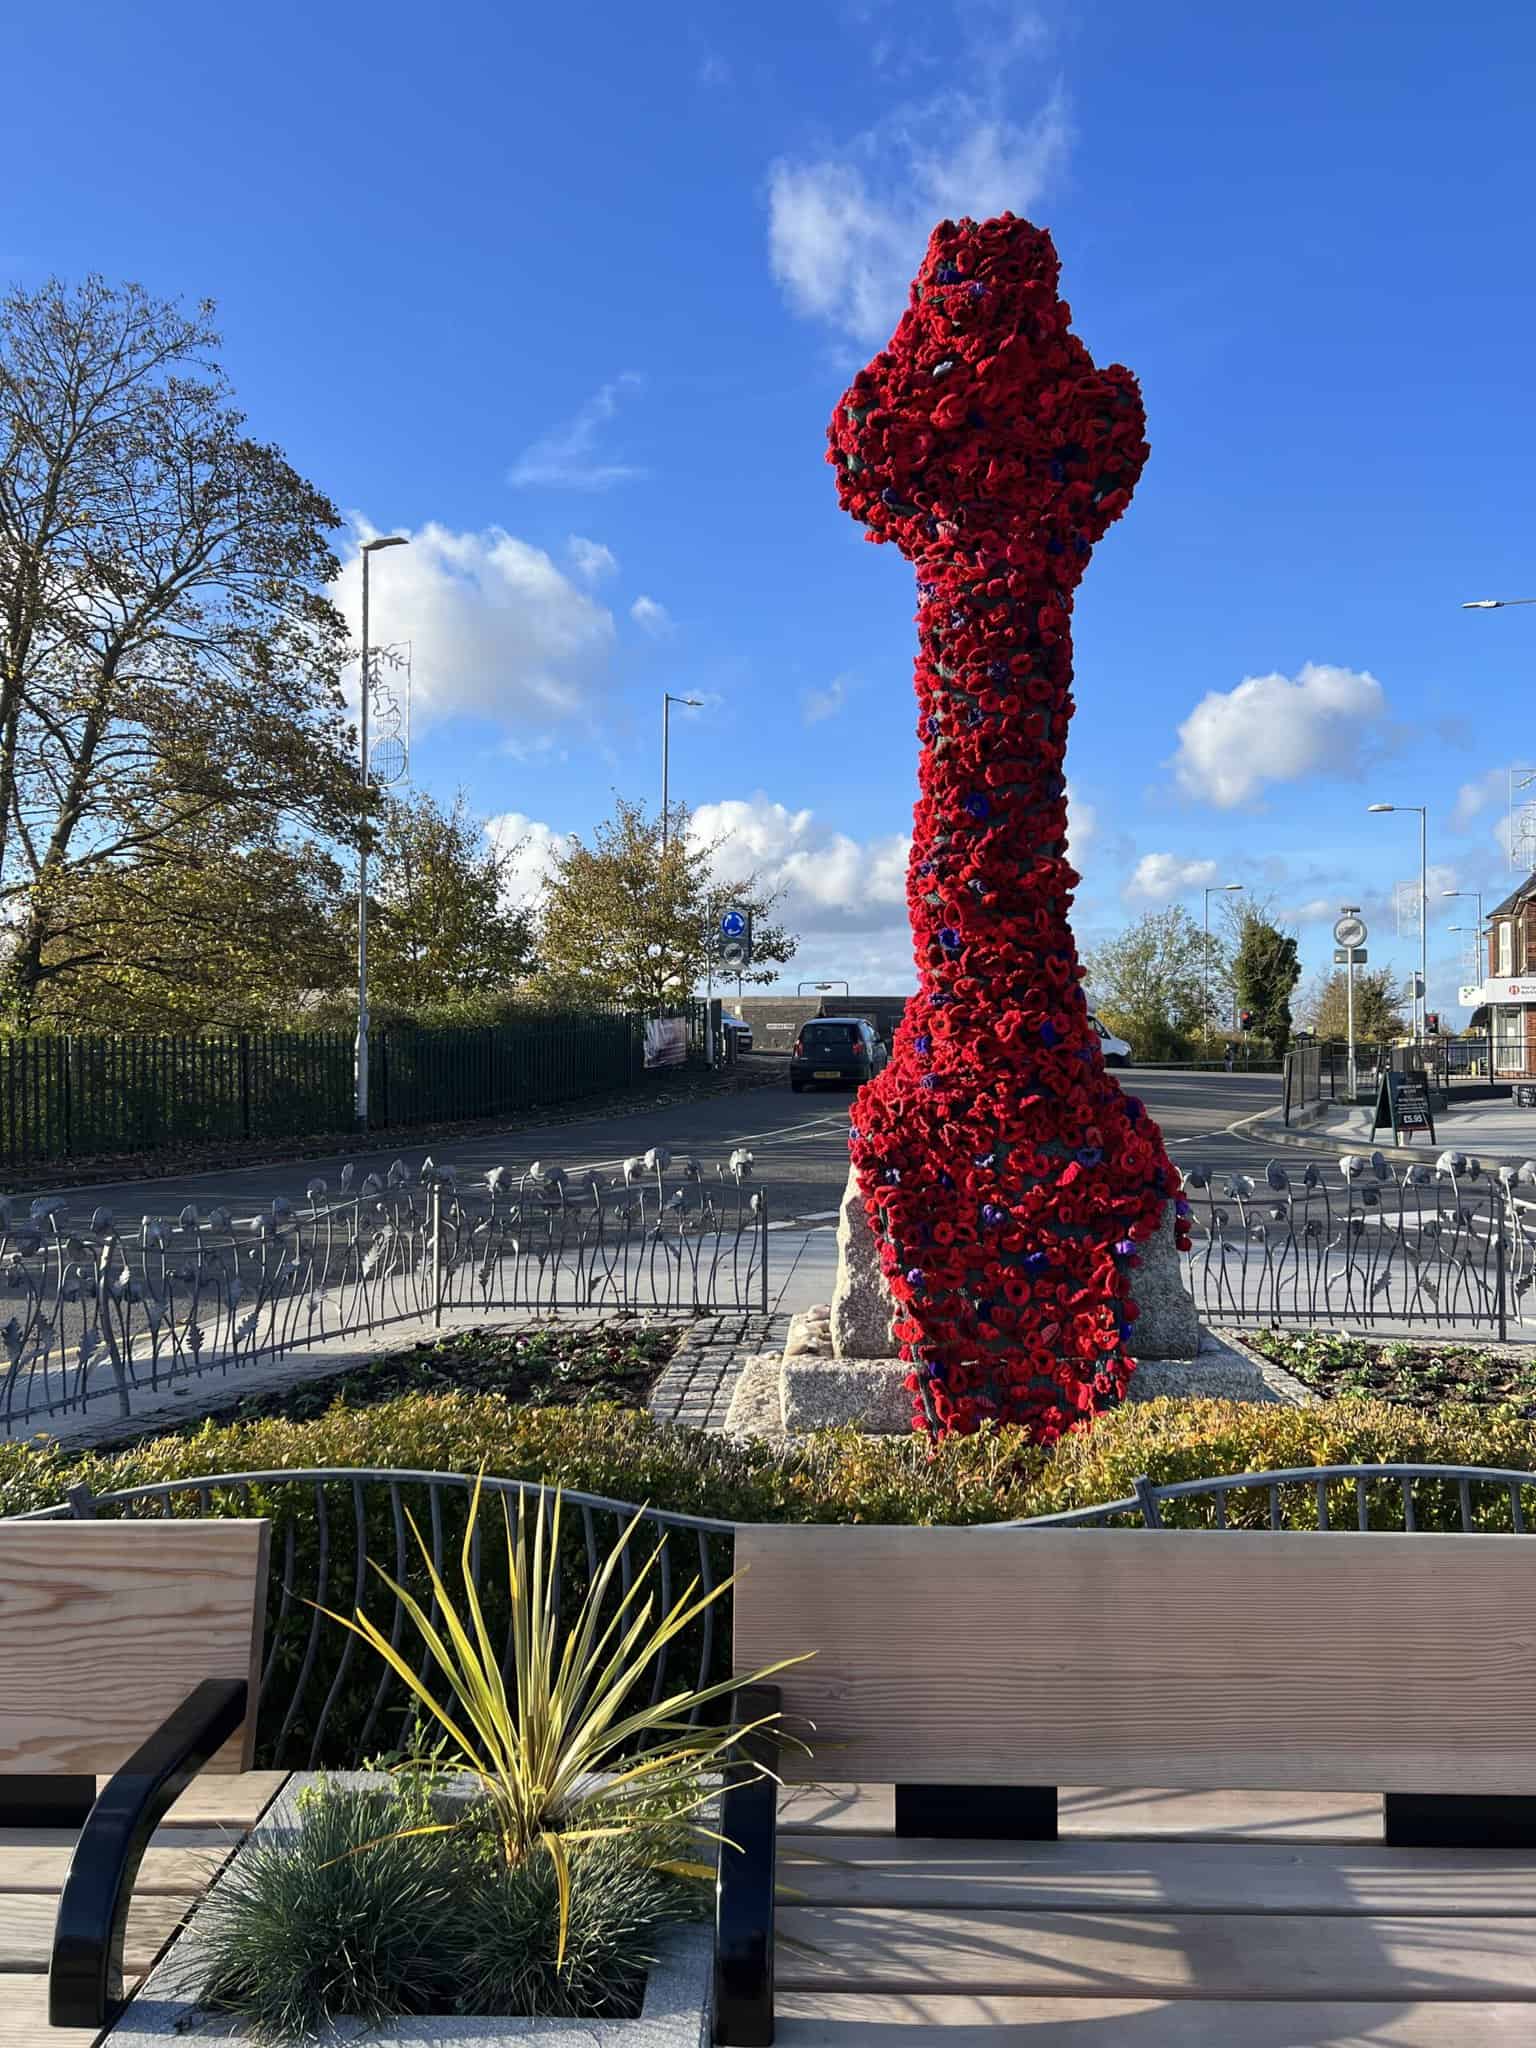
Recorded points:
129,1651
980,1672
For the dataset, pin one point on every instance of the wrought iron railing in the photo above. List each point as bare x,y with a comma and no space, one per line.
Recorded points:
101,1314
1404,1497
91,1096
1364,1244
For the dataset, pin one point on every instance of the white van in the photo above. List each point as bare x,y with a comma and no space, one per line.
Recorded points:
1115,1050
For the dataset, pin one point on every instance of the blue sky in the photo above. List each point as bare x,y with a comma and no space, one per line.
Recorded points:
568,294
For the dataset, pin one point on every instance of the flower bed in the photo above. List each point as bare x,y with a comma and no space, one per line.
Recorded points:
1419,1375
565,1367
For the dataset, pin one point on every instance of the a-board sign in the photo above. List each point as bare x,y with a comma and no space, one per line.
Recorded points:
1402,1102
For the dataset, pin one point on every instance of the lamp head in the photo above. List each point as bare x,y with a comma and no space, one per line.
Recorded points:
1381,807
392,540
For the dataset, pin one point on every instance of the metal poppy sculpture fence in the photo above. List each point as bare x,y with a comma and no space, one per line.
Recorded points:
99,1313
1360,1244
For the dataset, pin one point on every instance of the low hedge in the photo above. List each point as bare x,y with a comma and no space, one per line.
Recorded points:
1168,1441
840,1476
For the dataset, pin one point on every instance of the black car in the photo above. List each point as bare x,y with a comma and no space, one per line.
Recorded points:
835,1049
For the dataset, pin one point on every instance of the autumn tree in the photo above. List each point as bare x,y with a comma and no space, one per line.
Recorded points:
230,924
446,928
627,920
1379,1001
169,659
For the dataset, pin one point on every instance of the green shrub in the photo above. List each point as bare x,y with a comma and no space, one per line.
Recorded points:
1174,1440
357,1919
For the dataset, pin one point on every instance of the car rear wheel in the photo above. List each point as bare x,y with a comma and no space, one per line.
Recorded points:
797,1084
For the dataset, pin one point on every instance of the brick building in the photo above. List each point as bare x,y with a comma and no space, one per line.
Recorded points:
1509,993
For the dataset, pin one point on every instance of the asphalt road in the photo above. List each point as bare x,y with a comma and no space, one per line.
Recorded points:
799,1144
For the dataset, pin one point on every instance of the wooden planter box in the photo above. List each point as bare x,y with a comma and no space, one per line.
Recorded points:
677,2011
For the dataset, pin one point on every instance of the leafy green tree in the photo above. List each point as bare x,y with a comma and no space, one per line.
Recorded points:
1146,983
1265,969
1379,1004
169,659
445,929
628,922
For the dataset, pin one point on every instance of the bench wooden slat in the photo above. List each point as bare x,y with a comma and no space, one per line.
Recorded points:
177,1859
1087,1656
1160,1955
874,2020
24,2017
1262,1816
105,1637
27,1923
225,1801
1172,1877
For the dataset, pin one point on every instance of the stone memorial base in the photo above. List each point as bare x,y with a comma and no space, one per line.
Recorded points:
862,1311
839,1366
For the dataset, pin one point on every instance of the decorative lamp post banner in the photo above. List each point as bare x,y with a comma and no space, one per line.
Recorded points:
1009,1182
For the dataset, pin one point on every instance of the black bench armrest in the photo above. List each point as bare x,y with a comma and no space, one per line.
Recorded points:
85,1978
745,1886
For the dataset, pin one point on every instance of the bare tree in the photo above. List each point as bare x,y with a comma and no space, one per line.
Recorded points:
167,651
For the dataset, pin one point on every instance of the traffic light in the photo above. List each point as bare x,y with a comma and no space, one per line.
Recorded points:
1245,1018
1432,1023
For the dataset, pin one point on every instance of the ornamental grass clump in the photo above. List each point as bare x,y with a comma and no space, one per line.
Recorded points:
301,1933
370,1912
567,1734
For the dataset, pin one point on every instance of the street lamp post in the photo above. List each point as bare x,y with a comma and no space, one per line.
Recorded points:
667,701
1421,1003
360,1058
1218,889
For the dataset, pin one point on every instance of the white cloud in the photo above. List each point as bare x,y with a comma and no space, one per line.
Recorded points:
1159,877
590,559
847,229
496,628
1277,729
567,457
816,705
654,617
831,882
1313,911
1475,797
534,842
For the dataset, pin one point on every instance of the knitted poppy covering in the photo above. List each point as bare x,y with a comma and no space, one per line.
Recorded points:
1008,1180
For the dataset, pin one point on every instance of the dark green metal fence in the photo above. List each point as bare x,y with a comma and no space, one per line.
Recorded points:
79,1098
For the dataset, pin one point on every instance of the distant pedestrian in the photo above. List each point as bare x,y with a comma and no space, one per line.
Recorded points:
1229,1057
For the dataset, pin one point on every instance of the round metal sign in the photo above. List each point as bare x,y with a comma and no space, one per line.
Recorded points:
733,924
1349,931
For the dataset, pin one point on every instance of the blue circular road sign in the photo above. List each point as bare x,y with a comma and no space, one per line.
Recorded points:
733,924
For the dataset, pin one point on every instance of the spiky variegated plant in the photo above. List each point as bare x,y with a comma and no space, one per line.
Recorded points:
563,1759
